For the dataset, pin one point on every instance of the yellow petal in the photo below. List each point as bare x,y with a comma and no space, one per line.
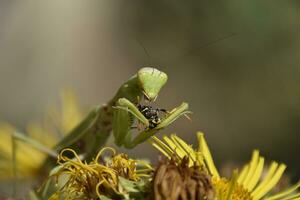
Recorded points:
207,155
160,146
256,175
189,151
271,183
71,114
285,192
174,147
253,165
269,175
243,174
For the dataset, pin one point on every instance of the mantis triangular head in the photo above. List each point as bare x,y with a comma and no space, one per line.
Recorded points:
151,81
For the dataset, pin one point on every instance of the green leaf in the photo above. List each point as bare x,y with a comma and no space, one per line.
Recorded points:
127,185
33,195
102,197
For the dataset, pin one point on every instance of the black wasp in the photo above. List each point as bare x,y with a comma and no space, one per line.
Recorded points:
152,114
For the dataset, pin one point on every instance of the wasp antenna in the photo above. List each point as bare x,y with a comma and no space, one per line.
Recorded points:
188,117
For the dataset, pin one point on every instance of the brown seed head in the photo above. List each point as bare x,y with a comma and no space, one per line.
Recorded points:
174,181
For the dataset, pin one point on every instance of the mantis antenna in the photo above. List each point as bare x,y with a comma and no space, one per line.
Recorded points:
145,51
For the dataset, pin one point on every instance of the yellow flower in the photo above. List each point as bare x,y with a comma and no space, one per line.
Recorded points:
44,136
80,180
246,185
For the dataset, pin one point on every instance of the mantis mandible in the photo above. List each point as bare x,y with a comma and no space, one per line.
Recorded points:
118,115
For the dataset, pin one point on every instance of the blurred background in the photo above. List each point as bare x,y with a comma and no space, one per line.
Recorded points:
236,62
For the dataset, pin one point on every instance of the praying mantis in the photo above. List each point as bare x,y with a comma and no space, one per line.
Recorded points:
119,114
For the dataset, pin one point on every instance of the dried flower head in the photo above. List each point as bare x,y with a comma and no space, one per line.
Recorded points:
81,180
175,181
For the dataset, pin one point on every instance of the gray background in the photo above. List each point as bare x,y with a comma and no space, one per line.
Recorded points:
243,90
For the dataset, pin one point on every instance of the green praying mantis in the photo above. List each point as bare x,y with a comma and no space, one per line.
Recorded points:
119,114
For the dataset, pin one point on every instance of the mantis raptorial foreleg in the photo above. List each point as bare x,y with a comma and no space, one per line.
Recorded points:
125,112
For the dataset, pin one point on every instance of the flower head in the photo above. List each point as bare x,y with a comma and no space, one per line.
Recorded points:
175,181
110,178
29,158
246,185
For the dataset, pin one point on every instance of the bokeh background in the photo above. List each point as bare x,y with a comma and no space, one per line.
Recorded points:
236,62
